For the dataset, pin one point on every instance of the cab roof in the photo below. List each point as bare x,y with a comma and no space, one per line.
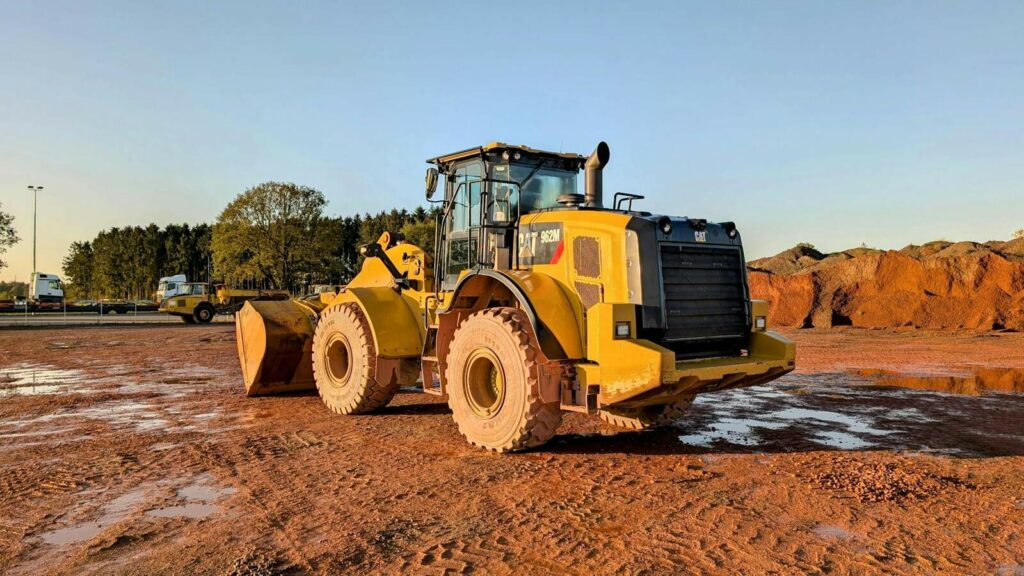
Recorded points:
501,147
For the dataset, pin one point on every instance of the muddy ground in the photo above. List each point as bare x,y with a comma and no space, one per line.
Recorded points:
132,450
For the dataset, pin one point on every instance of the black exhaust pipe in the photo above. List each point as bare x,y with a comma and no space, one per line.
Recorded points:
592,171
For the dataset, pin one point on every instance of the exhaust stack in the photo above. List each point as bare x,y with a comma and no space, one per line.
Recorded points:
592,171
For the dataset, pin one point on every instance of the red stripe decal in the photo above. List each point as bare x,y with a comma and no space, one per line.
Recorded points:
558,253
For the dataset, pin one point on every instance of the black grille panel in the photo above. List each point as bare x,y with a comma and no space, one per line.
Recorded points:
704,299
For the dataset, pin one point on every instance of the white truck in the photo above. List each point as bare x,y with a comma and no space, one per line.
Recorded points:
170,286
45,291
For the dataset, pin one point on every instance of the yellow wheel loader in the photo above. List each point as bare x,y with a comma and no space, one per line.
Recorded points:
538,300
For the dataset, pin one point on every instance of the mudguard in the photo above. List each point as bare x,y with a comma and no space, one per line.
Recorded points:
551,311
394,319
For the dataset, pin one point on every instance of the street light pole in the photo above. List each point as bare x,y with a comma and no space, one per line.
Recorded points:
35,206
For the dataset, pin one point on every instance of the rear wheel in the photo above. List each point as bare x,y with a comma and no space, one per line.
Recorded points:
345,363
188,319
204,313
493,382
646,416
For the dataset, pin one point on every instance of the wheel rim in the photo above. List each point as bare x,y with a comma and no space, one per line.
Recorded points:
484,383
339,361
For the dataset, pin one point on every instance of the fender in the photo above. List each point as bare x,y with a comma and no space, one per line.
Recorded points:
397,329
556,320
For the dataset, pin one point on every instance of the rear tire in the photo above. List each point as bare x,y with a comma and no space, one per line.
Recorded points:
345,363
493,382
647,416
188,319
204,313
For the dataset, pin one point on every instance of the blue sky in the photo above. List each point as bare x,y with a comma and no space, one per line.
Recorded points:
883,123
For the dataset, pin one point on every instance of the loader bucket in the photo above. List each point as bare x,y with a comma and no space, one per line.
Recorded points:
275,346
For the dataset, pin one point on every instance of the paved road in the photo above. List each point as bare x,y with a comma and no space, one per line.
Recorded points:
83,319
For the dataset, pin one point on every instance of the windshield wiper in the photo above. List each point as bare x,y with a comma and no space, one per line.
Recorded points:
532,174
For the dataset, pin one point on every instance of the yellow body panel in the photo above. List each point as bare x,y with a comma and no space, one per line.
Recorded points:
632,369
182,305
396,319
626,368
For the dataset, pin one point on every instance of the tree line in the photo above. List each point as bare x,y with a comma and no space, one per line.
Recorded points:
274,235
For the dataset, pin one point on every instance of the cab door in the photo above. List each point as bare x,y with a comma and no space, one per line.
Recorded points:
462,226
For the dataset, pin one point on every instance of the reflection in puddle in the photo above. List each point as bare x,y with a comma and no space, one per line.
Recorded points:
732,430
973,382
731,423
813,411
834,532
840,440
199,500
852,424
31,379
193,510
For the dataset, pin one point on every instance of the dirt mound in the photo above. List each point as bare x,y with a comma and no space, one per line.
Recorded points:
939,285
793,260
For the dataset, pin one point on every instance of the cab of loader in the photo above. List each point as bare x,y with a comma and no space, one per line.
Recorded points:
486,192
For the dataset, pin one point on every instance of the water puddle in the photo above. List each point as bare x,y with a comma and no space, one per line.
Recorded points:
111,513
829,531
856,425
200,498
141,416
970,381
32,379
753,416
732,430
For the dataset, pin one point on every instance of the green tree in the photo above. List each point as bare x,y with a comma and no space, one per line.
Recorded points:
13,290
78,270
421,234
269,232
8,237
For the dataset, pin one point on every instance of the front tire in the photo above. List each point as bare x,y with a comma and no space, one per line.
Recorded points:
345,363
204,313
493,382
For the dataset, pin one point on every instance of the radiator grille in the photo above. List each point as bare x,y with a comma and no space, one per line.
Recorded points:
586,251
705,300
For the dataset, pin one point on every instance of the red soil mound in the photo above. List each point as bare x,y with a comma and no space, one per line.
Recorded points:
939,285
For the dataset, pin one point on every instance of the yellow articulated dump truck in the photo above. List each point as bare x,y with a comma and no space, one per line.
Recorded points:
199,302
539,300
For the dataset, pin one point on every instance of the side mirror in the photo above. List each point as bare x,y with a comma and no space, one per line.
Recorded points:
431,182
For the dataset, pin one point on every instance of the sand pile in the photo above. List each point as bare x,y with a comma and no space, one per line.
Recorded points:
939,285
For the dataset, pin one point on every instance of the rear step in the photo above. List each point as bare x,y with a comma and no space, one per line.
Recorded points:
430,371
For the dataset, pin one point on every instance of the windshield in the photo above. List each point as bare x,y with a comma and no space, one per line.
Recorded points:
192,289
540,187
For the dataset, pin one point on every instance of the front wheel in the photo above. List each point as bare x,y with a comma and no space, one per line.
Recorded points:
493,381
204,313
350,377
